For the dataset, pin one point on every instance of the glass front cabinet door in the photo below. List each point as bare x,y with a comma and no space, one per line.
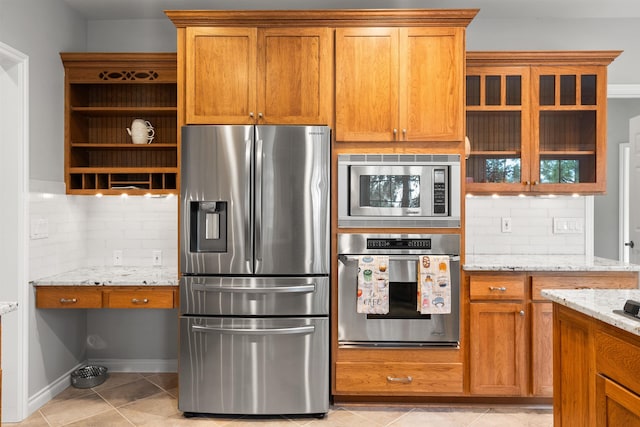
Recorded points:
536,122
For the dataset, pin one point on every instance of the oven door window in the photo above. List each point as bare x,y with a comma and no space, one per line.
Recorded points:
389,191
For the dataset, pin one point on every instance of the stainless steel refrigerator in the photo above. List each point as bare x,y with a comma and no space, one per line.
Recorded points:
254,262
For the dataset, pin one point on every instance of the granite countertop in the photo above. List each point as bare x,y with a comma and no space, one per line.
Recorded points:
113,276
599,304
544,263
7,307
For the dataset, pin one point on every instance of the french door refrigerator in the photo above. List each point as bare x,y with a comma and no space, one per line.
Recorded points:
254,263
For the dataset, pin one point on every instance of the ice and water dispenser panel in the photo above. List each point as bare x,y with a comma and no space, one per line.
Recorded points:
208,225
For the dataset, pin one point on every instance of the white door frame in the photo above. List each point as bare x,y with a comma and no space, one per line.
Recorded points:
14,170
623,211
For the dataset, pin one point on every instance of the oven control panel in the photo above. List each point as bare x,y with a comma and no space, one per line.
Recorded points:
398,244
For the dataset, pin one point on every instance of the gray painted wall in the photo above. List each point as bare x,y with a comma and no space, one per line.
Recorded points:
41,29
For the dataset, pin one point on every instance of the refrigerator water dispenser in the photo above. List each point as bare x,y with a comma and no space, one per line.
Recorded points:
208,226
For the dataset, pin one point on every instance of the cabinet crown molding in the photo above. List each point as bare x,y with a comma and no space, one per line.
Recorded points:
328,17
541,57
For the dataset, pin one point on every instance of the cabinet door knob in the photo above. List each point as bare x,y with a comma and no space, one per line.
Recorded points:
395,131
260,115
251,114
403,380
630,244
68,300
535,183
496,288
526,182
139,301
521,312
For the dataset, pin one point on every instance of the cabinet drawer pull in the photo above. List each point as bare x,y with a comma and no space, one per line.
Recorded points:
403,380
495,288
139,301
68,300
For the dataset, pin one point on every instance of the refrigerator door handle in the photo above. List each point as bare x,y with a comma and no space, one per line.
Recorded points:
244,331
304,288
258,190
248,240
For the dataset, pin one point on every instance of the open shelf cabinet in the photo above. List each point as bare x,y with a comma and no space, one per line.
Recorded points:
104,93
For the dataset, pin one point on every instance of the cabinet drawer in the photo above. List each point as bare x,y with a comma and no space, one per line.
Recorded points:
68,297
583,281
497,287
144,298
398,378
617,359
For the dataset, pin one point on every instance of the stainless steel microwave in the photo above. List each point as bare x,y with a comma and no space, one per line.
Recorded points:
399,190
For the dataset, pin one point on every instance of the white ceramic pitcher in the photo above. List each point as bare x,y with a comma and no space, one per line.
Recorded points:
141,131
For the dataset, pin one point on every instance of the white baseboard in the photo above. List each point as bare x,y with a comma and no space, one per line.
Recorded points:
113,365
49,392
137,365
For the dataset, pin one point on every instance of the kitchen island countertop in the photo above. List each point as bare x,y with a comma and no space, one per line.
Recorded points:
599,304
113,276
498,262
7,307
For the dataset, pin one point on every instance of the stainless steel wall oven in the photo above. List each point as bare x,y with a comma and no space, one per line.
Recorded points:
403,325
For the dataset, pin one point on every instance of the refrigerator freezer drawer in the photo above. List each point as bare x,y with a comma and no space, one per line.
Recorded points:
254,296
254,366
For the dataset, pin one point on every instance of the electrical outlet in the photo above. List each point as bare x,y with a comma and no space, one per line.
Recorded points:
117,257
157,257
506,224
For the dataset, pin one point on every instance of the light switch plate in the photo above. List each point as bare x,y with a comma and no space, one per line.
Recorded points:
568,225
157,257
117,257
506,224
39,228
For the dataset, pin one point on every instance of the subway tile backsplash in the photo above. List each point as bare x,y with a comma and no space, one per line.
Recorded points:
532,225
84,231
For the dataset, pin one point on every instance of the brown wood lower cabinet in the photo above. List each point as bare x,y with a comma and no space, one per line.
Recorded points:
106,297
511,328
397,372
596,372
399,378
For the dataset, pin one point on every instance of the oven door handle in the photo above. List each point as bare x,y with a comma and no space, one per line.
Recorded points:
250,331
344,258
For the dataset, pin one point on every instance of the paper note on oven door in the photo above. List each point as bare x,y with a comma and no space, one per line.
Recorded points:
434,280
373,285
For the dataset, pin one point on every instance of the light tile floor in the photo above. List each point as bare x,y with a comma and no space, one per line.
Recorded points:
131,399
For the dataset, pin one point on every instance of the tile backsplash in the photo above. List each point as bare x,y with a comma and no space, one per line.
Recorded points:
84,231
532,225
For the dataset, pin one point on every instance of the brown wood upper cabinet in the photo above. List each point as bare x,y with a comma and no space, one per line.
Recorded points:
537,121
247,75
400,84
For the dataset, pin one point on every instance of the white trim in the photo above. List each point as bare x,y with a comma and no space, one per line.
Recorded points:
51,390
623,200
18,324
137,365
623,91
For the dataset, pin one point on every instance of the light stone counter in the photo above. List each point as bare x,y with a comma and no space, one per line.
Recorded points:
113,276
599,304
7,307
544,263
